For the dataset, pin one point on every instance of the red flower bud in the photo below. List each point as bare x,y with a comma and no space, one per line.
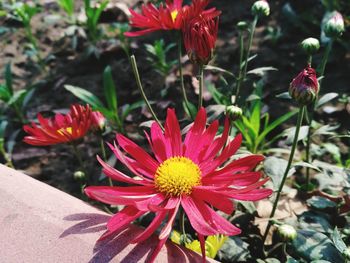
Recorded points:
200,36
304,88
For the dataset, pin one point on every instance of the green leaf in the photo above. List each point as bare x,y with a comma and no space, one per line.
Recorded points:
191,110
110,90
8,78
338,241
234,250
85,96
315,220
5,95
284,95
261,71
240,126
98,12
3,126
311,245
326,98
17,97
291,132
255,118
320,202
275,168
273,125
129,108
218,69
218,97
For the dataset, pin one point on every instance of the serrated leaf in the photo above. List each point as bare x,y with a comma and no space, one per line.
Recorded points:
234,250
311,245
315,220
338,241
320,202
275,168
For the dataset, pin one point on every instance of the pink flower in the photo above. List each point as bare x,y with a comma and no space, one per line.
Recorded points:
98,121
61,128
191,173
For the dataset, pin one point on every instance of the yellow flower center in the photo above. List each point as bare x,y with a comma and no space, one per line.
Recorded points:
174,15
68,129
177,176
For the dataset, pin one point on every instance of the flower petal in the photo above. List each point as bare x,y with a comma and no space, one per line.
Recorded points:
123,218
172,131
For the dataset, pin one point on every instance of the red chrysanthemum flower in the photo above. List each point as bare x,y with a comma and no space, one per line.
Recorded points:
304,88
61,128
192,173
166,17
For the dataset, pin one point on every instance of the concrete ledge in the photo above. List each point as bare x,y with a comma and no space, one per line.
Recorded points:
39,223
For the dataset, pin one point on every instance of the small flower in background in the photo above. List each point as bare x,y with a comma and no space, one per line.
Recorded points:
61,128
151,19
261,8
233,113
334,27
199,38
287,232
304,88
185,173
98,121
310,45
212,243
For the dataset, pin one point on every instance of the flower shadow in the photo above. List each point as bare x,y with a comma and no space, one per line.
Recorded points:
120,243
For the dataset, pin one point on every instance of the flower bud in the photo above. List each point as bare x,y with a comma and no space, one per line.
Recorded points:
304,88
346,253
334,27
310,45
79,176
233,113
242,25
98,121
261,8
287,233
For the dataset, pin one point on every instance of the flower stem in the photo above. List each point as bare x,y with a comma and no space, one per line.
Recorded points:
182,83
139,84
104,156
251,36
322,69
183,229
291,156
201,86
80,160
241,54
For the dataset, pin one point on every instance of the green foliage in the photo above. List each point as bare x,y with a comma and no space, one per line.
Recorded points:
93,14
157,55
67,6
16,100
110,110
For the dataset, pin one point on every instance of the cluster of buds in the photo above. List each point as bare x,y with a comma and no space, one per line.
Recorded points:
261,8
334,26
304,87
310,45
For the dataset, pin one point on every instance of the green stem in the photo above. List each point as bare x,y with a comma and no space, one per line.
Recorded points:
139,84
182,225
309,60
7,158
251,36
322,69
182,83
201,86
104,156
34,42
80,160
291,156
241,53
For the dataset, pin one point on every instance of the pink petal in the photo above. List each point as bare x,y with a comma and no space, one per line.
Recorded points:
155,200
172,131
198,222
161,147
215,199
119,195
135,151
156,222
117,175
220,224
241,179
253,195
202,244
123,218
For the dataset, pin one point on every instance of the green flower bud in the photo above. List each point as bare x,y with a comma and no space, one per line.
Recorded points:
79,175
346,253
334,27
287,233
261,8
233,113
242,25
310,45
